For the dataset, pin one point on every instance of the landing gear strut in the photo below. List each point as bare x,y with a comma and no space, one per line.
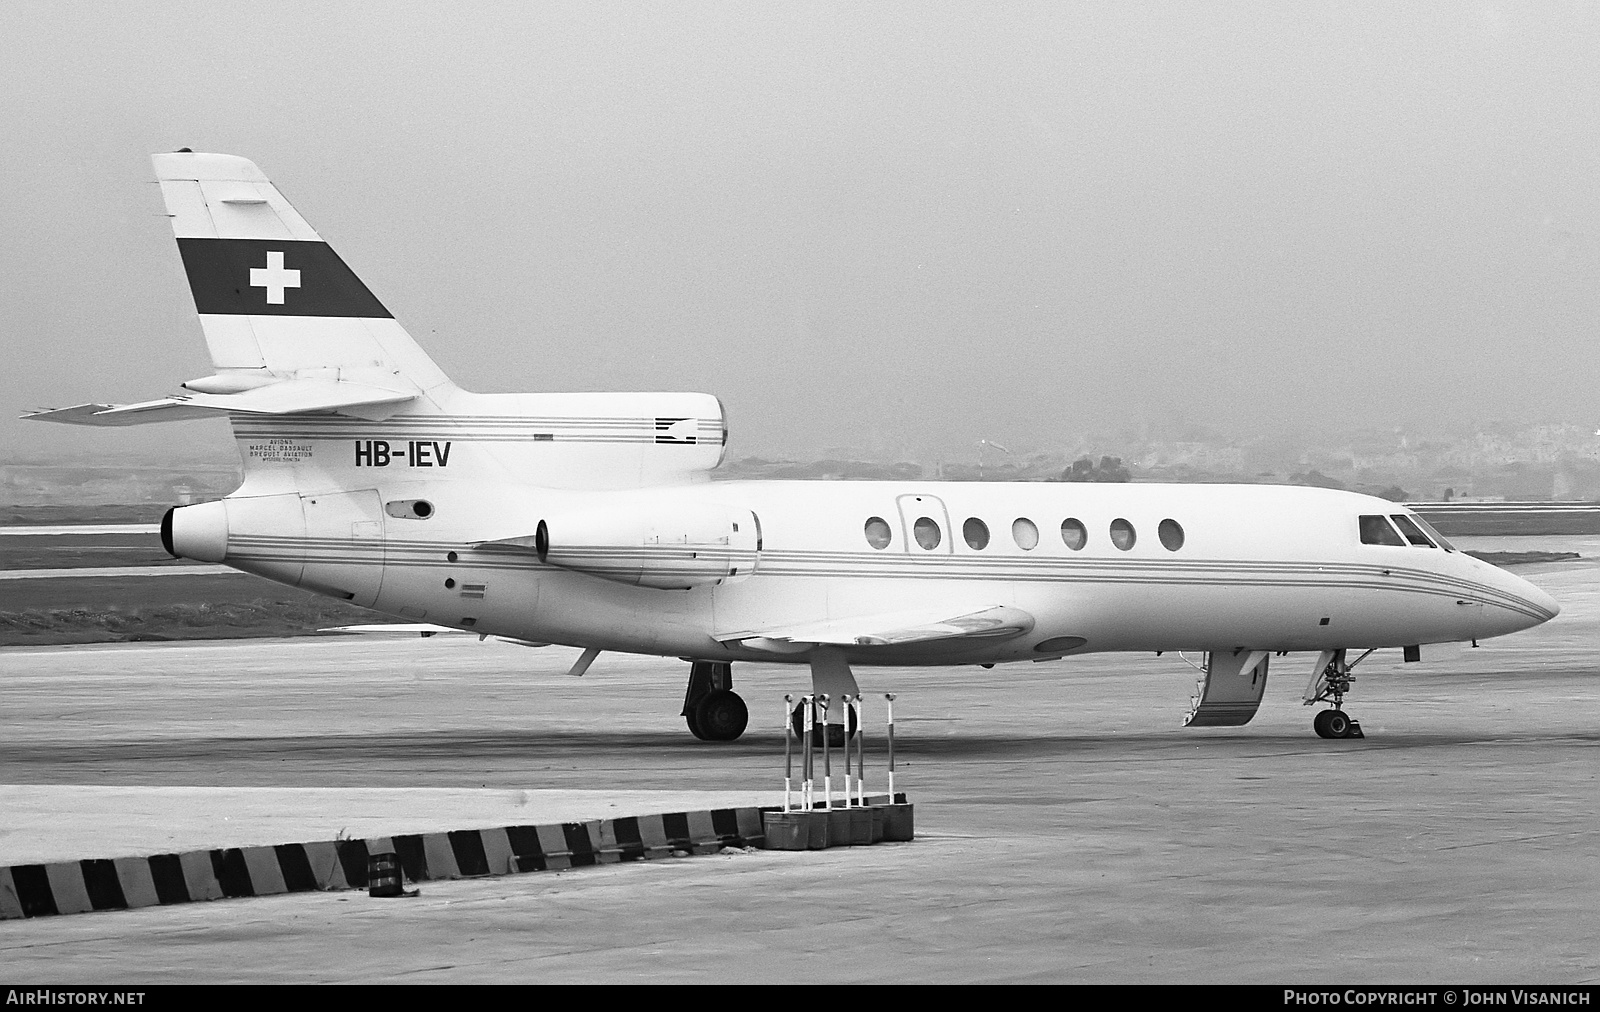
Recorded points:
713,711
831,674
1330,680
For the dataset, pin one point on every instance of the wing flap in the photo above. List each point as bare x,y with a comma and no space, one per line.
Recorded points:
423,629
893,629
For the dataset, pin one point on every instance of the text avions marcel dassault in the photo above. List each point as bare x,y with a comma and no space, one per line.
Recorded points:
52,996
1461,996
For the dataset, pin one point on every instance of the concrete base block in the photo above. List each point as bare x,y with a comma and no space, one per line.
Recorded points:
898,823
798,830
859,827
786,831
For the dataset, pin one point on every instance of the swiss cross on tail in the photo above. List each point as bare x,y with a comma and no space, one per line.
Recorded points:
253,277
274,278
676,430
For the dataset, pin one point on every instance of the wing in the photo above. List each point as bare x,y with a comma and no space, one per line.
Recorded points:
995,622
423,629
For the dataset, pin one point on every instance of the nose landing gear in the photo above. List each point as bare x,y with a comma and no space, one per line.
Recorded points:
1330,680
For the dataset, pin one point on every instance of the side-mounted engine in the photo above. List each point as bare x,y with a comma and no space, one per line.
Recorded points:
671,546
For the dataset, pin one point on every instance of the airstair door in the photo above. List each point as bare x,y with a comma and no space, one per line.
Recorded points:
344,545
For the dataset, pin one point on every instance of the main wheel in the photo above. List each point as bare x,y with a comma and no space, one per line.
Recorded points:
693,721
835,731
720,716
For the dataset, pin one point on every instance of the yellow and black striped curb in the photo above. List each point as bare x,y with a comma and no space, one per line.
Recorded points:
72,887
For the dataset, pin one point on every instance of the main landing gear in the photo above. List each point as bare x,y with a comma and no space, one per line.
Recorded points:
1330,680
830,676
713,711
837,734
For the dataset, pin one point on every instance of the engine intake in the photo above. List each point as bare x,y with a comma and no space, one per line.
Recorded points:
198,532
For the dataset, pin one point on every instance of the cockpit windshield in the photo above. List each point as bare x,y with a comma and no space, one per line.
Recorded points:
1400,530
1412,532
1376,530
1438,538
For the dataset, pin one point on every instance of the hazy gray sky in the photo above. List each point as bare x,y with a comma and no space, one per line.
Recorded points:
880,225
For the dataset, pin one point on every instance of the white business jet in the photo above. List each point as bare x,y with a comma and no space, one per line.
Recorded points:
589,519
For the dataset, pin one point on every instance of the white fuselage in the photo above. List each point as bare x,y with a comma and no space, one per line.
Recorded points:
589,518
1259,567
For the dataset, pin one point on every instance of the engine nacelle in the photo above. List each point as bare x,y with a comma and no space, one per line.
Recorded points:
331,543
673,546
198,532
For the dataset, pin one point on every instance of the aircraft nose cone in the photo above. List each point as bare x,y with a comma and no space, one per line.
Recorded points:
1542,600
1530,605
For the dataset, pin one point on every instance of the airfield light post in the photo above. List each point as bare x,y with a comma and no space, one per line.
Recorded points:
788,751
849,736
827,760
844,703
861,754
807,705
889,696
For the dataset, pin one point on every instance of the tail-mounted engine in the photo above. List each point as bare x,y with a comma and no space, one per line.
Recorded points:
677,546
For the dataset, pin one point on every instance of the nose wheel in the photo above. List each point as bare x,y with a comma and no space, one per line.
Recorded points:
1336,724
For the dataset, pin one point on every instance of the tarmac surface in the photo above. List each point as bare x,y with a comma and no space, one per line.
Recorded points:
1069,829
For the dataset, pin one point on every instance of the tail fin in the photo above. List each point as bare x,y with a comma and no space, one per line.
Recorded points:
325,390
275,301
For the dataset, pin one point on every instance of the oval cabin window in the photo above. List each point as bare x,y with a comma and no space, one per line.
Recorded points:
1171,535
926,531
878,533
977,534
1073,534
1122,534
1025,534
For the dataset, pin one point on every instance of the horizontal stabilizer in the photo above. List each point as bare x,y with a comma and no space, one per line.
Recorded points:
288,397
896,629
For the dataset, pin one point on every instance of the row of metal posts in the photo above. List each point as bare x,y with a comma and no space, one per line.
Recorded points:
814,714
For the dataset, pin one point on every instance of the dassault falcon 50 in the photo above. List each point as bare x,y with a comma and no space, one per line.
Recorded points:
589,519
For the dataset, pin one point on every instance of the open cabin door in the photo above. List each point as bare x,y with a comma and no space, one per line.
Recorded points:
344,545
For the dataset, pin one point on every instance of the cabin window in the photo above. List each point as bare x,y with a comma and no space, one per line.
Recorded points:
1412,532
1375,530
1122,534
1025,534
1171,534
926,531
977,534
878,533
1073,534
